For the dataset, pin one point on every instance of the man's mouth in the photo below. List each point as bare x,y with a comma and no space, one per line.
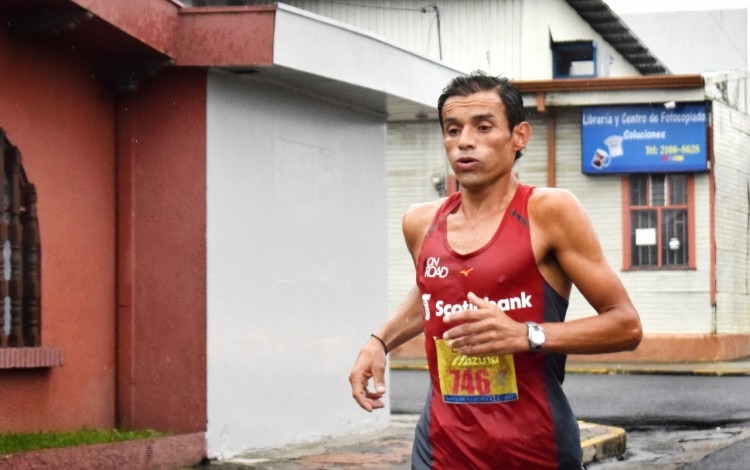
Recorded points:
466,161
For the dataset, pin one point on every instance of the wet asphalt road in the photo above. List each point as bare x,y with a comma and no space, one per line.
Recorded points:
672,421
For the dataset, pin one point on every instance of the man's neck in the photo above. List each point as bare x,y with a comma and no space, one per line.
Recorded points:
489,200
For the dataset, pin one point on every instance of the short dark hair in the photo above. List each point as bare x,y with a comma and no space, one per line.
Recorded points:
479,81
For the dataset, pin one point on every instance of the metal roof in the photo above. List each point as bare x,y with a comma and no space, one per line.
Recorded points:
606,22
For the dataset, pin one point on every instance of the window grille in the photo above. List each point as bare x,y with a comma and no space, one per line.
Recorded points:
20,261
659,221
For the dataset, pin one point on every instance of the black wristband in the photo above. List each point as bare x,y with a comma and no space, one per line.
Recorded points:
385,348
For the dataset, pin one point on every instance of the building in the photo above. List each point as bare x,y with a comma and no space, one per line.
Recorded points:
417,169
523,40
668,208
416,165
213,187
205,182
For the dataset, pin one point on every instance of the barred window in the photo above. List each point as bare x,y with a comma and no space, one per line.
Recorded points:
20,273
659,220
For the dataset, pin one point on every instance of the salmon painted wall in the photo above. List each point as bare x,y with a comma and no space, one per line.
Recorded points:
62,121
162,253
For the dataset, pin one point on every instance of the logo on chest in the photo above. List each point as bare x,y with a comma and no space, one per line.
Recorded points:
519,302
433,269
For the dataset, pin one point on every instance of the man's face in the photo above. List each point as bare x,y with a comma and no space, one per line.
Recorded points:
478,143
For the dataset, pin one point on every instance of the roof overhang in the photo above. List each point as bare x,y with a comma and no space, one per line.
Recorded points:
124,41
314,54
542,94
130,41
605,22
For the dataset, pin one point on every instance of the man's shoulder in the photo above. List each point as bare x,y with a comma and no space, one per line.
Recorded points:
417,221
422,213
555,206
551,199
427,206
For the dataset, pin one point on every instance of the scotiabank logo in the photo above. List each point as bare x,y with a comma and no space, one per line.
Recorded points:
518,302
433,268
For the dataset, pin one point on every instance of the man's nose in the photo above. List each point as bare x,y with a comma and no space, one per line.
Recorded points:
467,138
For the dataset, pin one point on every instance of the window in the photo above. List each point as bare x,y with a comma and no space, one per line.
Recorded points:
19,253
659,222
573,59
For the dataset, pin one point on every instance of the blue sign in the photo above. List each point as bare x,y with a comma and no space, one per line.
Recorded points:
644,139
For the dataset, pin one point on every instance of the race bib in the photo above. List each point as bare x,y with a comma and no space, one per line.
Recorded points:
475,379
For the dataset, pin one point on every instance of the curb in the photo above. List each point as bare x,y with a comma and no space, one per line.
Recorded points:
644,370
182,450
611,444
408,366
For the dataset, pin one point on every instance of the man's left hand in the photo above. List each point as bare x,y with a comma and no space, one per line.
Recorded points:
485,330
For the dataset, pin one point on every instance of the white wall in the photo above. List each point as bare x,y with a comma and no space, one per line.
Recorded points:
296,263
732,217
472,34
503,37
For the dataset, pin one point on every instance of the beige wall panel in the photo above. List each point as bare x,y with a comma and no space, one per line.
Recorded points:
414,154
732,219
532,166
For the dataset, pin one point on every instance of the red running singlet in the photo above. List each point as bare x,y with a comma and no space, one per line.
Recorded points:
492,412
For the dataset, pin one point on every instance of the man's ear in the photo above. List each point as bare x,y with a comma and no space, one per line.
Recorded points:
521,135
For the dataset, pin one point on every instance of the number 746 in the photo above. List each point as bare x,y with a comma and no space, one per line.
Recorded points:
471,381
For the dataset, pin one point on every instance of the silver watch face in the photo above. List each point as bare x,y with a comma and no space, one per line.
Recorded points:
537,337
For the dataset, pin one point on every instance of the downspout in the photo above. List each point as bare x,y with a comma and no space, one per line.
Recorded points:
712,219
437,20
440,39
125,239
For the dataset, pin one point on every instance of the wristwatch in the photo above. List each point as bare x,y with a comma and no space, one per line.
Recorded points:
537,337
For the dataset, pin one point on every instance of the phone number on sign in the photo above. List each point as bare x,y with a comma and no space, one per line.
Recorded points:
672,149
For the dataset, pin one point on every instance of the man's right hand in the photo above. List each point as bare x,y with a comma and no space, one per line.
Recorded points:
370,364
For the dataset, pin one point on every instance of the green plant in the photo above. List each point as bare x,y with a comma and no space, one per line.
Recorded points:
23,442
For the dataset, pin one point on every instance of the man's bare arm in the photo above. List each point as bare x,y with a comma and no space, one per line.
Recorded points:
569,234
405,324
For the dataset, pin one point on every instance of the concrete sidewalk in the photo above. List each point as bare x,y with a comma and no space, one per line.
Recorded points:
736,368
391,449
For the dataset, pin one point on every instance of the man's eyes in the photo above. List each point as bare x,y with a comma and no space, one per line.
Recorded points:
457,130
